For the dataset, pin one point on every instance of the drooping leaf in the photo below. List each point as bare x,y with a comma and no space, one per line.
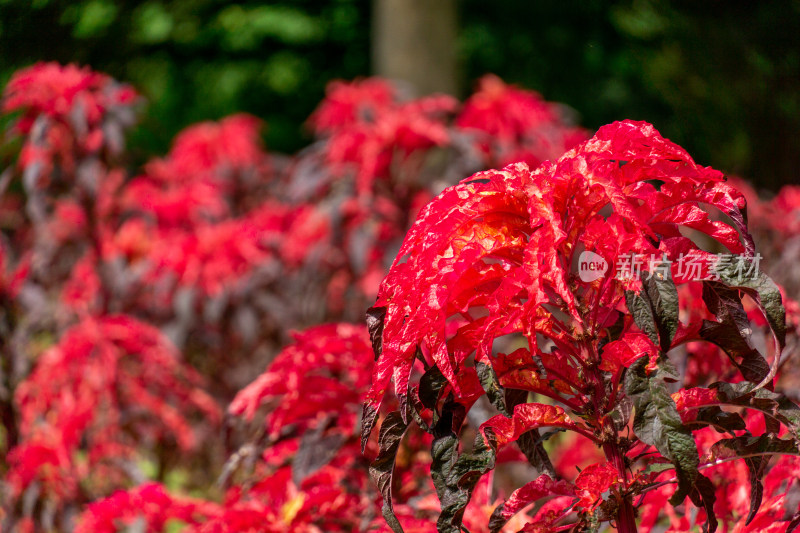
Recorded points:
389,437
745,358
663,298
491,385
531,444
718,419
756,452
756,466
455,477
743,394
702,495
430,387
731,331
765,293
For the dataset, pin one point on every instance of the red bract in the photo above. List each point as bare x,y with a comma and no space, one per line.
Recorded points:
211,173
593,481
506,255
385,136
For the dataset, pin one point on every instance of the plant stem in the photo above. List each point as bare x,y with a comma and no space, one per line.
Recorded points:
626,516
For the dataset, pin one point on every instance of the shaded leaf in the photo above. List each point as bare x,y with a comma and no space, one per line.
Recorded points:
658,423
766,295
375,318
531,444
490,384
743,394
315,451
732,329
655,308
702,495
455,477
381,470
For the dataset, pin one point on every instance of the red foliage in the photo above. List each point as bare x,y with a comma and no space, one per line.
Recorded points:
148,505
65,112
94,397
223,247
497,254
511,125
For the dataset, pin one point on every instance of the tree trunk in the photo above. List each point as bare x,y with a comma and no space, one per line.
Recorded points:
414,41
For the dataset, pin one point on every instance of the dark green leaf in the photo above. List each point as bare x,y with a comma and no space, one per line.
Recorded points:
720,420
732,329
454,475
765,293
531,444
458,481
657,422
750,446
639,306
655,309
490,384
369,416
430,387
663,297
745,358
756,466
772,404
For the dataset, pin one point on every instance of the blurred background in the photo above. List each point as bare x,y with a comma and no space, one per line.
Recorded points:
720,78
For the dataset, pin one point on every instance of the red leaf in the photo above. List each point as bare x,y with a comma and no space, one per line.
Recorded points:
527,494
593,481
501,430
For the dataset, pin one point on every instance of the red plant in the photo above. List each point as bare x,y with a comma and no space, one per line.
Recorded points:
496,256
68,113
511,125
94,398
222,248
149,504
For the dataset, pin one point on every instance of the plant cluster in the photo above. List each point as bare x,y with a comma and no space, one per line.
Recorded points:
136,304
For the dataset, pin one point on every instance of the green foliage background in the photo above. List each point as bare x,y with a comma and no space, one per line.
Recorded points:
721,78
